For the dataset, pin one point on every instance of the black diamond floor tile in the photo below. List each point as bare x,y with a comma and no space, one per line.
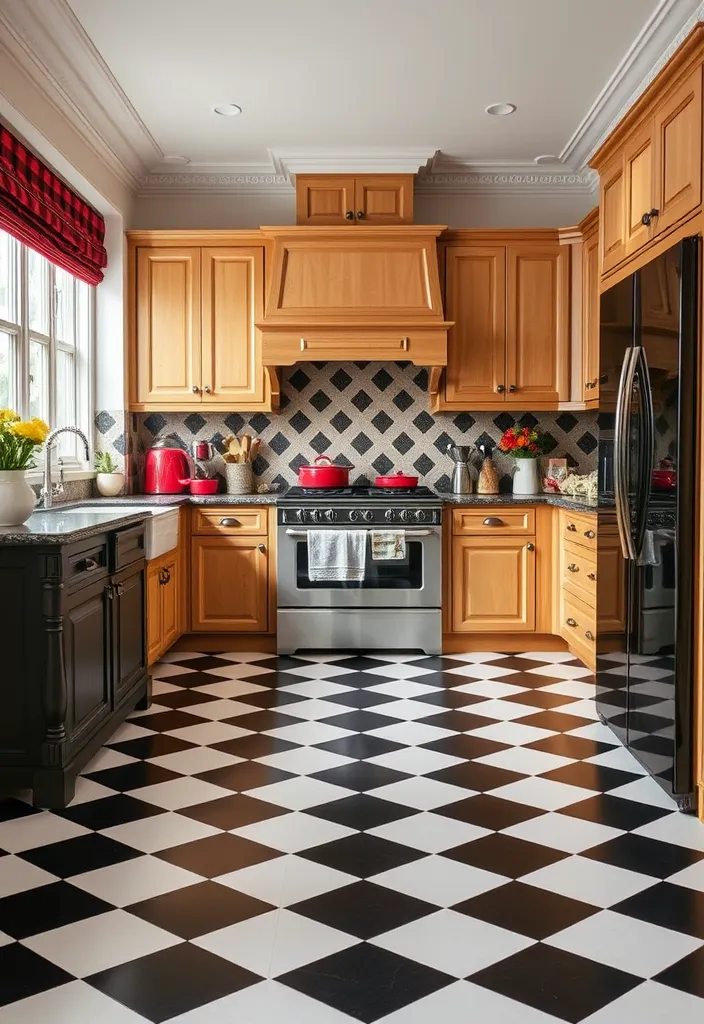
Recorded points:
366,982
48,907
199,909
230,812
253,746
168,721
76,856
359,698
184,698
615,811
24,973
489,811
271,698
11,809
244,776
467,747
152,746
218,855
555,721
539,698
458,721
360,746
172,981
110,810
591,776
362,855
526,909
450,699
648,856
670,906
479,777
360,721
190,680
204,663
505,855
361,811
575,747
361,775
262,721
567,986
132,776
687,975
364,909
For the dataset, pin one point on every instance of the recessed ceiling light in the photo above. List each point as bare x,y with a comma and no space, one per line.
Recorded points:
228,109
174,158
500,109
547,158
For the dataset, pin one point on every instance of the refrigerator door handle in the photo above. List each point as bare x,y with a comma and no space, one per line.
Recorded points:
648,448
621,437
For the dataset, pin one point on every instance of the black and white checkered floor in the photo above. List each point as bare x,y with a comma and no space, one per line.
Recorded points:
332,839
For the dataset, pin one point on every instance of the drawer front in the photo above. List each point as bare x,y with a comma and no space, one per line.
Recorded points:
578,624
128,546
233,522
86,563
494,522
579,573
578,528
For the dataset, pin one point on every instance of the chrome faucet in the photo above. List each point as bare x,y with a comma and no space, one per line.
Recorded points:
47,493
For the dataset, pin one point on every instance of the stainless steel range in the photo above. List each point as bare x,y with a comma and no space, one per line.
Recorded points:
395,606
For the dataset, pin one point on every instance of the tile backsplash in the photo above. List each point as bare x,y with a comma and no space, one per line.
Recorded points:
370,416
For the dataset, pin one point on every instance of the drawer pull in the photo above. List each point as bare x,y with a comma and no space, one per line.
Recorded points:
89,565
261,547
571,527
405,343
493,521
571,622
164,577
530,547
304,344
589,534
230,521
589,635
591,576
119,589
572,567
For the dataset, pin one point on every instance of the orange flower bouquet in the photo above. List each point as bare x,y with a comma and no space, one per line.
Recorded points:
523,443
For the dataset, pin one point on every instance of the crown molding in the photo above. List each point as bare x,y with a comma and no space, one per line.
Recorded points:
511,179
642,62
188,183
375,160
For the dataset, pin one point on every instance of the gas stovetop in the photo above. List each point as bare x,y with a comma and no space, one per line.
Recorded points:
366,506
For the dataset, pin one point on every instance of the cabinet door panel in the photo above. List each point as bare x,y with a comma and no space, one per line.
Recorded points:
168,357
493,584
611,573
324,199
475,298
678,141
229,585
537,364
384,199
590,316
86,660
612,214
170,602
233,300
640,194
129,655
154,612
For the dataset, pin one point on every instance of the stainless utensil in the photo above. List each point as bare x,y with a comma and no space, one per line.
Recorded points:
461,478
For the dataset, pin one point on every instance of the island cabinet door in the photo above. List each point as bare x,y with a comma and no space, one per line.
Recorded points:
493,585
129,630
86,632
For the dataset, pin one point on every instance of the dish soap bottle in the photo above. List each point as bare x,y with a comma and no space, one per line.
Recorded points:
488,482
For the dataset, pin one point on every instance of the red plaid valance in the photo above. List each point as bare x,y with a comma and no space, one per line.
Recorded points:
39,209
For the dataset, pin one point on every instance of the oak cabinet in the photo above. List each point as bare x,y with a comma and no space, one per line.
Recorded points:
493,584
324,199
193,336
590,311
165,581
510,305
612,214
229,584
638,159
678,152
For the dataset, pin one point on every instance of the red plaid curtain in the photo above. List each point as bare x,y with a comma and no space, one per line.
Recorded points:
39,209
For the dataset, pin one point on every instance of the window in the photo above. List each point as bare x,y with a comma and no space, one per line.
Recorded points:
46,341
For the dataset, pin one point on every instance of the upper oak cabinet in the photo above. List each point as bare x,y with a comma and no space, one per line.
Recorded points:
508,295
193,339
382,199
650,167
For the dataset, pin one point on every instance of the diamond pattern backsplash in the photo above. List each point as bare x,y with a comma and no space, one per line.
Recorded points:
371,417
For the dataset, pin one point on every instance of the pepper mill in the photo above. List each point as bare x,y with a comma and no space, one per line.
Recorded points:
488,482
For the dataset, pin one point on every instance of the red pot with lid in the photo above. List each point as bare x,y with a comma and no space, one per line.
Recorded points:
324,473
400,480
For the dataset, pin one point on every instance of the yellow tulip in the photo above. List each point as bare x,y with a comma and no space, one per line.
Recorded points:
8,416
30,430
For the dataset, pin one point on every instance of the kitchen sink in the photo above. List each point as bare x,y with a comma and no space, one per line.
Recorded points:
160,530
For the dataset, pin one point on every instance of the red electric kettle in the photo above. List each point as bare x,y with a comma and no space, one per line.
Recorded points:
166,468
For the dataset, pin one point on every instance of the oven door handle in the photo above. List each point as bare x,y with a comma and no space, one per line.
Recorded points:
408,533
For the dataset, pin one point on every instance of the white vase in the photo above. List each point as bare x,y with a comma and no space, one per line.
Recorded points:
110,484
17,499
526,479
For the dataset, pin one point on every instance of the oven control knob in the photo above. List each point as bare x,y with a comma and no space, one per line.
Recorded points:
355,515
367,516
405,515
299,515
421,515
389,514
330,515
316,515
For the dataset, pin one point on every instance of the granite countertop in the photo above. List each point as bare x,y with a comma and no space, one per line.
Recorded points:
48,526
176,500
558,500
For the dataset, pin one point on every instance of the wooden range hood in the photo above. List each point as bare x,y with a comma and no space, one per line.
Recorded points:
372,293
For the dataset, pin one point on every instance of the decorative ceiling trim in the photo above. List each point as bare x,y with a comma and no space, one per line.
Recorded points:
641,63
375,160
188,183
509,182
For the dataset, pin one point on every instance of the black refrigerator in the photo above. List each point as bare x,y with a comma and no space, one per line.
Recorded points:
647,491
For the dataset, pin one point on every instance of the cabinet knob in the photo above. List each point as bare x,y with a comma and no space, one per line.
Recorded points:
500,388
304,344
195,389
589,534
119,589
349,215
360,214
591,576
164,577
572,567
261,547
589,635
647,217
571,527
206,389
89,565
230,521
530,547
405,342
590,384
493,521
571,622
512,388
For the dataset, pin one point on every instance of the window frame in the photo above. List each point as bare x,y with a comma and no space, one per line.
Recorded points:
82,349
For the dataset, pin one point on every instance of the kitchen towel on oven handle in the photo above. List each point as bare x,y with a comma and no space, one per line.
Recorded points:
388,545
338,556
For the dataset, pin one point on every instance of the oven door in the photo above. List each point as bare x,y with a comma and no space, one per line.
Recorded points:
411,582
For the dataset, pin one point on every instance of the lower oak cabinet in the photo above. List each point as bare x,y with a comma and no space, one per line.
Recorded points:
493,588
73,639
164,603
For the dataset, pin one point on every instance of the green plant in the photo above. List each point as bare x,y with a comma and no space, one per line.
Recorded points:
19,440
104,463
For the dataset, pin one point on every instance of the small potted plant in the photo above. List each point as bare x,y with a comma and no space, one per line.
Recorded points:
20,440
109,480
525,445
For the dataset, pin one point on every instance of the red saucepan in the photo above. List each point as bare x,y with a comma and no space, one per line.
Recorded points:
324,473
397,480
201,486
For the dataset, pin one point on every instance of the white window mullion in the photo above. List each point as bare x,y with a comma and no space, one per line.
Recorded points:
23,360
